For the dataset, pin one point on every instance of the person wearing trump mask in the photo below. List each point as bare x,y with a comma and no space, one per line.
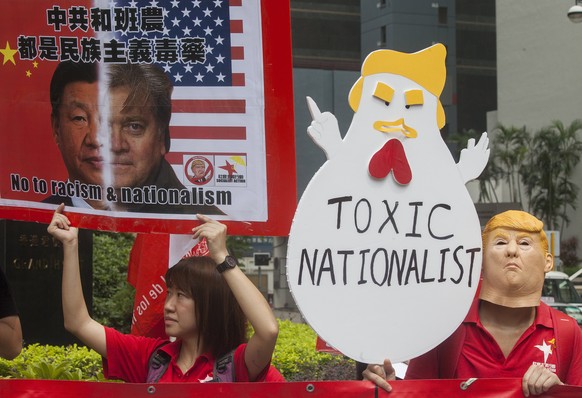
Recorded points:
509,331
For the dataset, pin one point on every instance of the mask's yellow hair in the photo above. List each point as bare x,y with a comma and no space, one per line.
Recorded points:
519,221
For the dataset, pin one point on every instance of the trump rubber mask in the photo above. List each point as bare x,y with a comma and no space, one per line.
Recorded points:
515,260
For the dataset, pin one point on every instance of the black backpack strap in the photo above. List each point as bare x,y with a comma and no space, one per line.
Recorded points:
157,365
224,371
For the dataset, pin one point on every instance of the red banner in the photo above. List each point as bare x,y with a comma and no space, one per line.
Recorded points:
322,346
233,126
490,388
148,264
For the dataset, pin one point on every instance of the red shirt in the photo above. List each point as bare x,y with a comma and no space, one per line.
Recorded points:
480,355
128,357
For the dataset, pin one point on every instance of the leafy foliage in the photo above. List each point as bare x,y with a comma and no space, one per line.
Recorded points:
53,363
554,153
112,294
508,155
238,246
536,168
297,360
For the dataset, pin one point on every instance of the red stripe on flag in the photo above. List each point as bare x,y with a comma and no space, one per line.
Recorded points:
175,157
209,106
238,79
237,53
236,26
208,133
235,3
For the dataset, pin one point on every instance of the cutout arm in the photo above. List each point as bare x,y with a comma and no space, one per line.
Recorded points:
474,158
324,130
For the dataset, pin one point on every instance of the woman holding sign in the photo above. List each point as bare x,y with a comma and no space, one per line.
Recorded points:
207,301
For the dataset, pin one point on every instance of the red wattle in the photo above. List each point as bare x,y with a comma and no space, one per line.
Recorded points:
391,157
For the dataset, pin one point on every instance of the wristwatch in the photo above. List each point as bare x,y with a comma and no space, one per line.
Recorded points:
229,263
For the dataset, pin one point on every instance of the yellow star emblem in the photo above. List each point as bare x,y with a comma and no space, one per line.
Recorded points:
8,54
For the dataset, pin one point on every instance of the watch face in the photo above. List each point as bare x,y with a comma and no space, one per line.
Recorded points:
230,262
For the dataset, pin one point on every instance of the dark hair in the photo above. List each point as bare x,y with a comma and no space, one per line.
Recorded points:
220,320
149,86
70,72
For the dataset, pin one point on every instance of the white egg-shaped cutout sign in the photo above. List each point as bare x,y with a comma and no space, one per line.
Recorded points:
384,254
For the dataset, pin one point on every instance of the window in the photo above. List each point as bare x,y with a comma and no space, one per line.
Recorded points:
382,41
443,15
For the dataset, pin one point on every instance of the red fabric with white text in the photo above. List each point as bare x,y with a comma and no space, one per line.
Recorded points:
148,262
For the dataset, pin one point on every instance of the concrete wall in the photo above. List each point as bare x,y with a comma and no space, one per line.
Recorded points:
539,69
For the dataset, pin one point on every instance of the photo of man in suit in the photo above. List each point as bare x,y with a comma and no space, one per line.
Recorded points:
126,152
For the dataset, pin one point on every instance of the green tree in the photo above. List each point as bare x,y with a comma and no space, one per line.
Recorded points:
458,141
552,157
112,294
488,180
239,246
508,153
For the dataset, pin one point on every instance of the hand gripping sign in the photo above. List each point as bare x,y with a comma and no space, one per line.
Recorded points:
384,254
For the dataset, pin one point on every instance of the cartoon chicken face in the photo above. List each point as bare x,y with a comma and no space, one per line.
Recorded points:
396,113
385,243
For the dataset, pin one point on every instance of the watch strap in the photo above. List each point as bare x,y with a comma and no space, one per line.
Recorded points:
228,263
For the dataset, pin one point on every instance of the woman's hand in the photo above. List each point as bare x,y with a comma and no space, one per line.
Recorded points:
215,235
60,226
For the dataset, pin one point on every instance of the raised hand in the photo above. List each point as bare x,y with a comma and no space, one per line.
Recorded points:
215,235
60,226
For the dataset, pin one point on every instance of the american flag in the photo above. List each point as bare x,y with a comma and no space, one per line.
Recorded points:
209,89
212,51
191,40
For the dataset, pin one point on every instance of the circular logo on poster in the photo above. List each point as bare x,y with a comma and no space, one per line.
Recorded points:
199,170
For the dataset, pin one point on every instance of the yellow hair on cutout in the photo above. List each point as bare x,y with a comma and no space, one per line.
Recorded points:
426,68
